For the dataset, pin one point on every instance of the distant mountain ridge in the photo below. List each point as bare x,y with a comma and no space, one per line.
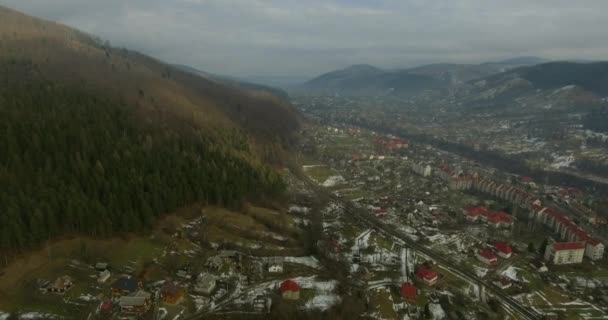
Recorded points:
551,87
369,80
521,61
235,82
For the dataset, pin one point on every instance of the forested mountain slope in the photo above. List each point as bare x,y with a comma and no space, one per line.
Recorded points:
97,140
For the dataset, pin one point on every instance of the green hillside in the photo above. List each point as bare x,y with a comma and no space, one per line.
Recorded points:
98,140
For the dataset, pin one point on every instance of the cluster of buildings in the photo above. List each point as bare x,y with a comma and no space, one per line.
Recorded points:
559,222
129,295
427,276
565,252
422,169
392,143
490,256
494,219
60,286
569,231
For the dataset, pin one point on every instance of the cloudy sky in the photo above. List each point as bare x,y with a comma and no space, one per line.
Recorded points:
308,37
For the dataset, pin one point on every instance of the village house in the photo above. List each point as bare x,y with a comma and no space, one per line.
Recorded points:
427,276
565,252
473,214
539,266
409,292
43,285
422,169
214,263
61,285
205,284
104,276
594,249
182,273
136,303
503,283
392,143
106,307
170,293
101,266
487,257
379,212
503,250
124,286
499,219
290,290
275,267
494,219
261,304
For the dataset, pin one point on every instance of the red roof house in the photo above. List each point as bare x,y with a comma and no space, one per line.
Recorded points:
499,219
487,257
559,246
428,276
106,307
380,212
503,250
409,292
473,213
290,290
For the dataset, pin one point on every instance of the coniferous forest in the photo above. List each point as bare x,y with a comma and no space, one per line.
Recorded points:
74,163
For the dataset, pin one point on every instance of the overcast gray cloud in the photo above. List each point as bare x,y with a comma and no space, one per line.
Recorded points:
307,37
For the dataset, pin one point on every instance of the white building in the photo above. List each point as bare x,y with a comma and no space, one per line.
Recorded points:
565,252
422,169
104,276
205,284
275,268
594,249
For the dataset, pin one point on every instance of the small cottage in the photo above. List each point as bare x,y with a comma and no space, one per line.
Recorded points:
276,267
290,290
124,286
205,284
170,293
136,303
61,285
101,266
104,276
409,292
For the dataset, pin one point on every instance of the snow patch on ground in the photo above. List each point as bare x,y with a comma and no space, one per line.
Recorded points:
37,315
306,167
562,161
481,272
333,181
301,221
564,88
323,301
474,292
298,209
308,261
511,273
362,240
437,312
87,297
162,313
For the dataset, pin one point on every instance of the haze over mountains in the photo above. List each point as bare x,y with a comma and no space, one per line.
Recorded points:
367,79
